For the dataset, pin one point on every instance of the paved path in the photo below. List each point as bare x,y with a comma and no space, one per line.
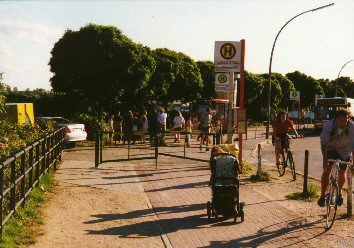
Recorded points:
178,192
161,207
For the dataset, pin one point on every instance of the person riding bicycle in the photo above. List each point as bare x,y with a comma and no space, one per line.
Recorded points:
281,128
337,142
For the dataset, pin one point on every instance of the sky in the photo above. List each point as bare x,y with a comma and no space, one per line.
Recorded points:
317,43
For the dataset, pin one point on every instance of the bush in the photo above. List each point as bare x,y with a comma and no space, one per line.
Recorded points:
312,194
261,177
2,100
245,167
14,137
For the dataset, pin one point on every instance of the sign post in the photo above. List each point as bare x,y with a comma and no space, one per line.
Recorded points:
229,57
295,95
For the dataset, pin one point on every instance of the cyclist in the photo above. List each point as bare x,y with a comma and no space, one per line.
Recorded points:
337,142
281,128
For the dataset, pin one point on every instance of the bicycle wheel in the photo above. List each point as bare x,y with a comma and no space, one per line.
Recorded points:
282,165
331,204
292,164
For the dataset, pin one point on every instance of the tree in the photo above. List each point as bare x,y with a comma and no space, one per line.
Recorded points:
308,87
346,84
207,73
100,65
187,85
2,100
176,77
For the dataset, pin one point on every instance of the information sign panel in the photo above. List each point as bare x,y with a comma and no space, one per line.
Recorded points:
222,83
227,56
241,121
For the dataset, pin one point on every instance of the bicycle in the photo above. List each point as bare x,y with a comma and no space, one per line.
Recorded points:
286,158
332,192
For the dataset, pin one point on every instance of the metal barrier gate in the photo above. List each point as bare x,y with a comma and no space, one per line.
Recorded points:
155,146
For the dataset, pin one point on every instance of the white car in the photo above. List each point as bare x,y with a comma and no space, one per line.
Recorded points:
73,132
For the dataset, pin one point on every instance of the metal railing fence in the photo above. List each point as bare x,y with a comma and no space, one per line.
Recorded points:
21,173
99,144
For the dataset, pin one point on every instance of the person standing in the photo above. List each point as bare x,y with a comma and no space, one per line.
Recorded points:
152,124
128,128
337,142
189,125
161,121
144,125
205,128
110,129
118,127
178,124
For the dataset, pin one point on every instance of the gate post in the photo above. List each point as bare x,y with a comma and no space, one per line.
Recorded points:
156,149
350,192
306,172
101,146
97,148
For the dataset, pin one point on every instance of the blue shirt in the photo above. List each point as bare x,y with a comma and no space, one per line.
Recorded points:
337,139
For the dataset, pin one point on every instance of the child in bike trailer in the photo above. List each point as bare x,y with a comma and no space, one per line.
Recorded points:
337,142
281,128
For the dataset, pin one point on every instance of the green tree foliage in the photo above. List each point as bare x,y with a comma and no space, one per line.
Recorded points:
176,77
346,84
2,100
188,82
100,64
206,69
308,87
278,80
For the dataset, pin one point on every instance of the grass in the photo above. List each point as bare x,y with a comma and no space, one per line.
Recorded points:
22,228
245,167
264,176
311,195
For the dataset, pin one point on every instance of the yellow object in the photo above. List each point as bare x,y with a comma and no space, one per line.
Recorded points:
229,148
20,113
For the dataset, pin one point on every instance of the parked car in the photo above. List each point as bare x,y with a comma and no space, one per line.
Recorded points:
73,132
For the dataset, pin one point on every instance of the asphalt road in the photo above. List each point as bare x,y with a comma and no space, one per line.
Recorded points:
312,144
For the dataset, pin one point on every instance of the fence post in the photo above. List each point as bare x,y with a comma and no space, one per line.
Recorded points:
259,159
306,172
48,153
30,164
97,148
2,197
156,149
350,192
23,181
55,151
37,160
43,156
184,149
255,132
13,186
101,146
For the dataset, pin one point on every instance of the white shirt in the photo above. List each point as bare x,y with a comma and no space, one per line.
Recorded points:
178,122
162,117
110,125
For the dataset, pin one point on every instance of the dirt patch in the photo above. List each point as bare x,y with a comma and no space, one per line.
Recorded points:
77,216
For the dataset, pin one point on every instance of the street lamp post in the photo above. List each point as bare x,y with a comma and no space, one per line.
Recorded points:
339,74
271,58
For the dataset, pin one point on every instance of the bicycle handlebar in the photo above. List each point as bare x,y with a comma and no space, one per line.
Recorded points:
340,162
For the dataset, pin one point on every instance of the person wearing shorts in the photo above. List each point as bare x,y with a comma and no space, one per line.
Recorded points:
205,128
281,128
178,123
337,142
